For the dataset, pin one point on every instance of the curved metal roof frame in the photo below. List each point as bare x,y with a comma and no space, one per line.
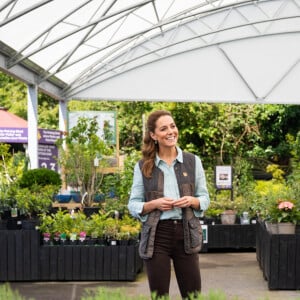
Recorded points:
170,50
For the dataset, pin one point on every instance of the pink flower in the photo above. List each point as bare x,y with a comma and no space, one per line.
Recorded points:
46,236
82,234
286,205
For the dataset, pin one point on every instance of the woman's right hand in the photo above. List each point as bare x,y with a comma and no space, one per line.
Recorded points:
163,204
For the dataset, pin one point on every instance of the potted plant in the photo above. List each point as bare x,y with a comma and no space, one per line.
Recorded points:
34,194
46,227
276,202
82,157
95,228
129,230
68,226
285,214
227,208
212,214
8,208
111,230
35,200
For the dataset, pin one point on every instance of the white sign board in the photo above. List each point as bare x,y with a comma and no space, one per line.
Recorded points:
223,176
104,119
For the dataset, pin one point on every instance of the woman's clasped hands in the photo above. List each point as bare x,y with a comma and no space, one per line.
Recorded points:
166,203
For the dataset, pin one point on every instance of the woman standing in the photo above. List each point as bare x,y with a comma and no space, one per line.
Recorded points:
168,195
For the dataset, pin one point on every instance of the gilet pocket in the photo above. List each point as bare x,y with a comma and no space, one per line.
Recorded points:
195,231
145,234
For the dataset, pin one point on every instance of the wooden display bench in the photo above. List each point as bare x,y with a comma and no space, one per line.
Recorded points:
68,205
279,258
23,258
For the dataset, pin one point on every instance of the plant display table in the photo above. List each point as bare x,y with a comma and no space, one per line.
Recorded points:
234,236
23,258
279,258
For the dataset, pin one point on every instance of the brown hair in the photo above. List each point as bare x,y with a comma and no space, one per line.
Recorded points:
149,148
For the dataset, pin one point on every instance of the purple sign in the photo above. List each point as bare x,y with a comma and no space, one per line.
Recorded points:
48,136
47,150
47,156
13,135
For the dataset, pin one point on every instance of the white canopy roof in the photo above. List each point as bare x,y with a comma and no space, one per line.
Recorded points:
166,50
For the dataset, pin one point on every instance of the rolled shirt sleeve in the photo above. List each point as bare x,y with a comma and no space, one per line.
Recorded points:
201,191
137,195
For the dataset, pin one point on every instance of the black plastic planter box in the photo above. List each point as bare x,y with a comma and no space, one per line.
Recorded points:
279,258
23,258
234,236
89,262
19,255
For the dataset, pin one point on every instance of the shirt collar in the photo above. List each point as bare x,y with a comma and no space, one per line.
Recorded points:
178,157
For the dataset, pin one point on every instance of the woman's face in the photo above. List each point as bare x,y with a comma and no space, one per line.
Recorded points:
166,132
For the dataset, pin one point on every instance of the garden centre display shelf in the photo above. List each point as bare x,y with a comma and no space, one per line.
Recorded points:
23,258
279,258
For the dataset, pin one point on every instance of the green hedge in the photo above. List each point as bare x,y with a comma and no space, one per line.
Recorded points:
41,177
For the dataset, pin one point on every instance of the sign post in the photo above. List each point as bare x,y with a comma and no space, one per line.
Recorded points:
223,178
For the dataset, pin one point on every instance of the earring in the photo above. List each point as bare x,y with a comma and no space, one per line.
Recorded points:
155,142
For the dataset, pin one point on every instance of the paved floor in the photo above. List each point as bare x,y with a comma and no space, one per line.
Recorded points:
236,274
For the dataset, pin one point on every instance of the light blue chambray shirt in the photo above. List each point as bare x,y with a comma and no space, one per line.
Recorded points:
137,197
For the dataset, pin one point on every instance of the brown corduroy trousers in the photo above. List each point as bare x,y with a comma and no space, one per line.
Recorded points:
169,246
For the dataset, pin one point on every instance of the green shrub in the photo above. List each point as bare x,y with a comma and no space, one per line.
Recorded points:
41,177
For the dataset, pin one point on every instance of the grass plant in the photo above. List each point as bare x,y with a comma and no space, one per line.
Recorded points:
6,293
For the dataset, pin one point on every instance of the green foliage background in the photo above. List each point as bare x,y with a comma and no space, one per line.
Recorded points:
220,133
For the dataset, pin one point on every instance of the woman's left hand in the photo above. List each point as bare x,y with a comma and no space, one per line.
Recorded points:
187,201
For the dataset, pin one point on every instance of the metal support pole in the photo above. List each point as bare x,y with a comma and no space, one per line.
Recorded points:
63,116
32,103
63,127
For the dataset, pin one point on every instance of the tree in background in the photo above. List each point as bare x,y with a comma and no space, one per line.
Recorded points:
13,96
82,156
219,133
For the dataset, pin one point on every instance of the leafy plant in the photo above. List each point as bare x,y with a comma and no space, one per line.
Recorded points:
95,225
40,177
100,225
77,154
46,224
65,222
115,206
12,165
35,200
283,211
111,228
129,228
